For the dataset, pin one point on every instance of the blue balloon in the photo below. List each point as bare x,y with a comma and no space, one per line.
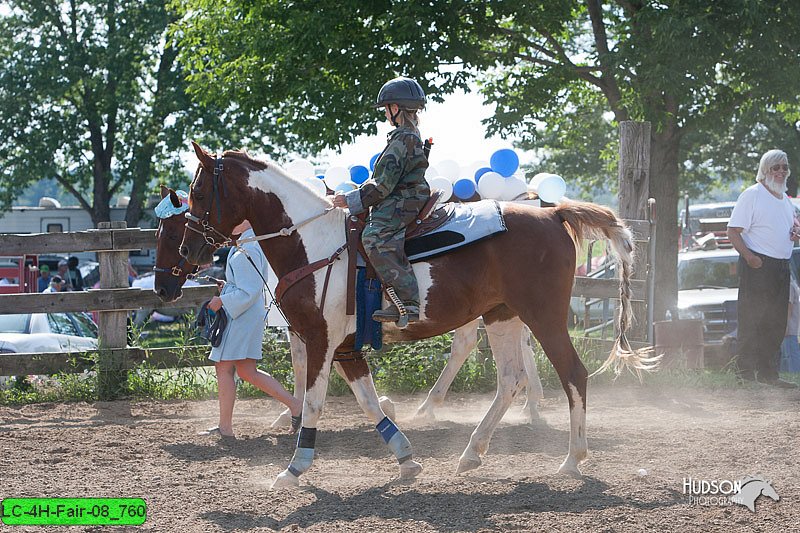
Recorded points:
464,188
321,176
480,172
372,161
359,174
504,161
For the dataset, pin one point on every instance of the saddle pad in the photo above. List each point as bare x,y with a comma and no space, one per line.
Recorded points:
469,223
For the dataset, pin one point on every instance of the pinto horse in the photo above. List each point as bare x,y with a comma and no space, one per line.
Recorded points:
522,277
172,271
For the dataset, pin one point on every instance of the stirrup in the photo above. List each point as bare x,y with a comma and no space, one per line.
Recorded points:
401,314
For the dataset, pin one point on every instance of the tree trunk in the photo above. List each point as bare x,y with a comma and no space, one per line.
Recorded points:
664,188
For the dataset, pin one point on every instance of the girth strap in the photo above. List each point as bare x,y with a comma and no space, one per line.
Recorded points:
287,281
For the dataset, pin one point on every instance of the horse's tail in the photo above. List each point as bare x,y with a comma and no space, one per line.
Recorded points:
584,220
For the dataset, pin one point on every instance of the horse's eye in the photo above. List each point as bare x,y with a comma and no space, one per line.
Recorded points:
172,237
198,196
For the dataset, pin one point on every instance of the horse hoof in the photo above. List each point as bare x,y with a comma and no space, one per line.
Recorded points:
570,470
425,414
284,420
465,465
387,406
285,480
410,469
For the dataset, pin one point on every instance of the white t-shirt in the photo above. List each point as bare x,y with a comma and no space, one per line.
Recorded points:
767,221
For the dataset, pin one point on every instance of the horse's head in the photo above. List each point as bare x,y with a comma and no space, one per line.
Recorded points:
171,270
216,206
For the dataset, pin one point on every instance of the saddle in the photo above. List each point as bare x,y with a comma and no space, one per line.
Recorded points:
430,218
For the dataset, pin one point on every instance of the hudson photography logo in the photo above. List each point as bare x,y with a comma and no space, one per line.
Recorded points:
725,492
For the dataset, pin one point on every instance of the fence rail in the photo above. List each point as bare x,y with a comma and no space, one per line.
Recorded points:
114,300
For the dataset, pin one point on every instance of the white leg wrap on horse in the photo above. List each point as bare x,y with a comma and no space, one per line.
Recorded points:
395,439
304,453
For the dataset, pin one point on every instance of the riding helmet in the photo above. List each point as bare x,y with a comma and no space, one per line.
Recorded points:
405,92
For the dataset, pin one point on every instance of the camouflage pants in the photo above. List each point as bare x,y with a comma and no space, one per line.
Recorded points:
384,239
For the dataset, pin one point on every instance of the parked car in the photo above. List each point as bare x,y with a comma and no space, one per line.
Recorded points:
47,332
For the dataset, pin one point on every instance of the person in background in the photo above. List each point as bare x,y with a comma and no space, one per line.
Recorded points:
44,278
56,285
761,228
74,277
62,269
242,298
790,348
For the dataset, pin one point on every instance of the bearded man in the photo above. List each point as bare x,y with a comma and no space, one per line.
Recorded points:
762,228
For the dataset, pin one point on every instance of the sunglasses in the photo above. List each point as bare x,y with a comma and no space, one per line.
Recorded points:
775,168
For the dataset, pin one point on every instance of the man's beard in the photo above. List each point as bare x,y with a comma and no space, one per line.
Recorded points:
775,187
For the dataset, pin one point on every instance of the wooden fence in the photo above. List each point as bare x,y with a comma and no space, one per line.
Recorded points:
112,242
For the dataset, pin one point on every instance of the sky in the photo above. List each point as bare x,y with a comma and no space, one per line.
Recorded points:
455,126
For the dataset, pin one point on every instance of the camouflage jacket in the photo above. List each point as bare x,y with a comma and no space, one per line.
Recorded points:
399,173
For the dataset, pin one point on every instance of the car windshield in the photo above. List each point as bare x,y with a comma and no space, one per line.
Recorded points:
85,324
708,272
14,323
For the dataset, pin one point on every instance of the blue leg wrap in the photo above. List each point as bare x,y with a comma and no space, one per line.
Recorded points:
304,453
395,439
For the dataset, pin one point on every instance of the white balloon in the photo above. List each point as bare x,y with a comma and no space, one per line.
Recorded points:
444,185
345,186
336,175
300,169
431,172
514,189
468,171
549,187
317,184
449,169
491,185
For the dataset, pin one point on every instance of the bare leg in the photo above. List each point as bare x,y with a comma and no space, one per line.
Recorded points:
505,340
298,349
250,373
226,384
464,340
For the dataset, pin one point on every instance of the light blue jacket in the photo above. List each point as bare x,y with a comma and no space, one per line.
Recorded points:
244,300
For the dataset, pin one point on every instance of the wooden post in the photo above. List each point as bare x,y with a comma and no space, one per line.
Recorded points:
111,368
634,191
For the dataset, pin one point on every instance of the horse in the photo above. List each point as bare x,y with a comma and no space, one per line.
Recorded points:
172,272
517,278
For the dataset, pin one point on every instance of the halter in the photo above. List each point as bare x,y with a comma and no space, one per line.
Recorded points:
177,270
207,228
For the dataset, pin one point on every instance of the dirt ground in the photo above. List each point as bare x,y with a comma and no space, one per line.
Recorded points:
197,483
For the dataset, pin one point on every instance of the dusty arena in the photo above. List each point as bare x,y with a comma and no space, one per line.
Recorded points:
643,443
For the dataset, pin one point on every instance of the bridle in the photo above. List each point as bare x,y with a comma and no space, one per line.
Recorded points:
177,270
209,232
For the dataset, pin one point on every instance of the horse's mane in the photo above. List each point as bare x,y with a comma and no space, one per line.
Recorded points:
256,164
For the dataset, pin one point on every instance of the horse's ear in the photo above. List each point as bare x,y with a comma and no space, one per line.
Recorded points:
176,202
205,158
164,191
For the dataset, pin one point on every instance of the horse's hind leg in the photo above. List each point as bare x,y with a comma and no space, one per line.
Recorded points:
558,347
505,339
534,388
464,340
357,374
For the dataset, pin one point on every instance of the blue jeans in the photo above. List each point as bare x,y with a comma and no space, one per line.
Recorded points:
790,354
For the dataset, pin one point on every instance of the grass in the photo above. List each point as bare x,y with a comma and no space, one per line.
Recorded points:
400,368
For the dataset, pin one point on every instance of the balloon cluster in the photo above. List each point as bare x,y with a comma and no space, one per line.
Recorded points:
500,178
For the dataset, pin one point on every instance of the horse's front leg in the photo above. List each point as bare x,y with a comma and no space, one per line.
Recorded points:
357,374
298,350
464,340
314,400
535,393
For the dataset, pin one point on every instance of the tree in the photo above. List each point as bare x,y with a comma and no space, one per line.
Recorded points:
91,95
685,66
